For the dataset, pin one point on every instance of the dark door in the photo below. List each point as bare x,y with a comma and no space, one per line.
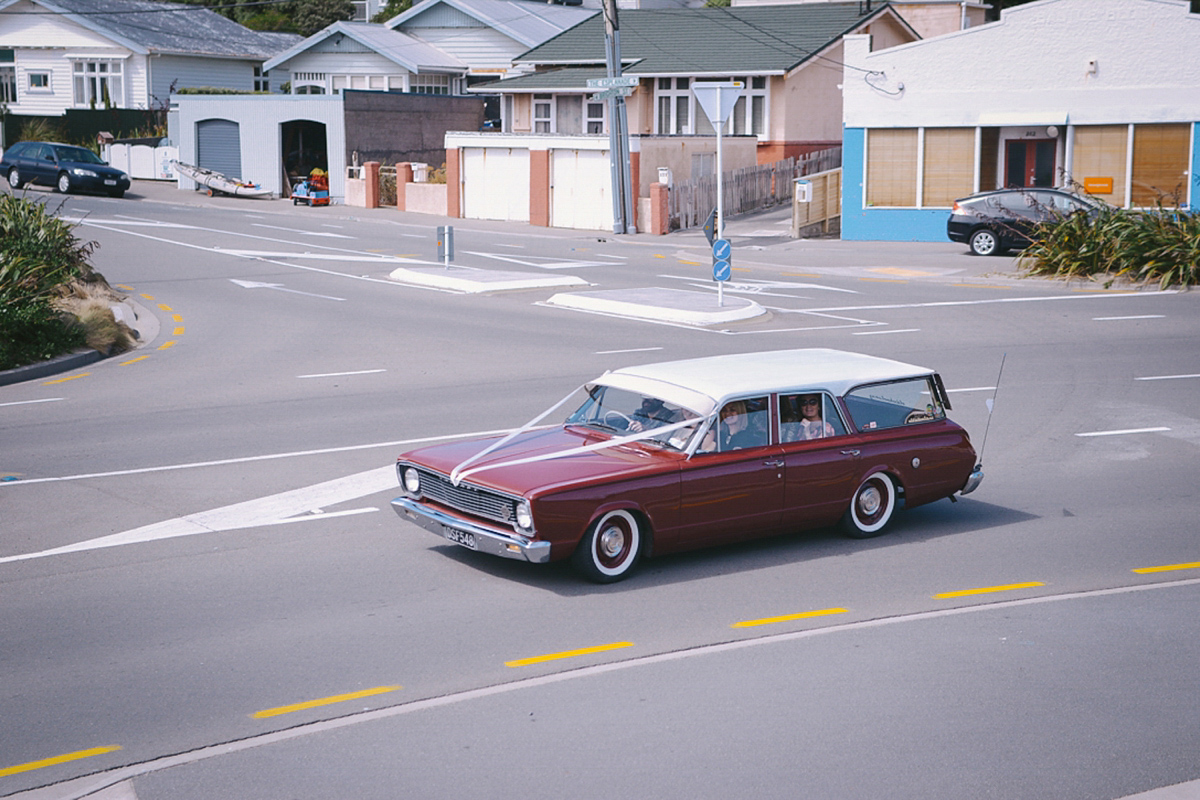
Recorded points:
1029,162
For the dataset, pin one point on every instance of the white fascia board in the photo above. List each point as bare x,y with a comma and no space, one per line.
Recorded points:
88,22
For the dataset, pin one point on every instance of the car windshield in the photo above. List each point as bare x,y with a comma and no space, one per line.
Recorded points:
623,412
79,154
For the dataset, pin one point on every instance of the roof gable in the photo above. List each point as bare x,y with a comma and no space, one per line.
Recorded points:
752,39
408,52
146,26
525,21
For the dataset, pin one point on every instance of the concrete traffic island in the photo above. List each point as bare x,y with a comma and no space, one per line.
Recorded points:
661,305
469,280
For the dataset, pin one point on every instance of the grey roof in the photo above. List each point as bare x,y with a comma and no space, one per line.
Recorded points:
525,21
710,41
145,26
409,52
563,80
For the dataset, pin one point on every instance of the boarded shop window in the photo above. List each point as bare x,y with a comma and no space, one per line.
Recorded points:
1160,164
1099,161
989,159
949,165
892,167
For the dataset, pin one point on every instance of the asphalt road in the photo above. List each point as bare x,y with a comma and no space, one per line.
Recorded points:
240,614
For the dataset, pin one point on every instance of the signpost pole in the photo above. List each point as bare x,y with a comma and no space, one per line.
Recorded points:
717,100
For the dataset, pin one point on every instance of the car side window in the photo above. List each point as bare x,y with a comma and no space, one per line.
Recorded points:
894,404
740,424
808,415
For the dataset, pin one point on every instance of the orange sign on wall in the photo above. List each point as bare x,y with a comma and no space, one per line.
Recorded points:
1098,185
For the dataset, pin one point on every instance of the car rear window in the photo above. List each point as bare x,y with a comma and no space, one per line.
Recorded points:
894,404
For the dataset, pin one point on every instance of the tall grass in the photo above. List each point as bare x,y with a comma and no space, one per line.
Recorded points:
1143,246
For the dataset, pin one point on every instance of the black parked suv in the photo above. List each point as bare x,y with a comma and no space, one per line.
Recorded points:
66,167
993,222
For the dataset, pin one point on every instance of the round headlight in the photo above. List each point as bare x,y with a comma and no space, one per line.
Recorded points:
524,516
412,481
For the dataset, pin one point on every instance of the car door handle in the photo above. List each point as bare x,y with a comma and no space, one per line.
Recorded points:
854,453
774,462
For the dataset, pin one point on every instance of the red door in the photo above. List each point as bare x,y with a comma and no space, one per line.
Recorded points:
1029,162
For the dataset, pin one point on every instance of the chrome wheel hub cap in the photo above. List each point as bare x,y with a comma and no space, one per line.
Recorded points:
870,501
612,542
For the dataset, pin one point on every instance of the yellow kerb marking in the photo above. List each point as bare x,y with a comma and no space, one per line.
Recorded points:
178,318
906,273
178,331
148,296
165,307
123,286
50,762
525,662
1167,568
324,701
133,361
979,286
751,623
987,590
64,380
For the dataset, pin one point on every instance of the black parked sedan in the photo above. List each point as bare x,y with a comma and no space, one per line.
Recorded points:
66,167
993,222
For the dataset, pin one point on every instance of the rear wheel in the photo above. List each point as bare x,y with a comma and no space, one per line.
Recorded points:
610,549
64,182
872,507
14,178
984,242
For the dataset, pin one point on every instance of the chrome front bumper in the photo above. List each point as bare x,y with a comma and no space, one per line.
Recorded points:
973,480
494,541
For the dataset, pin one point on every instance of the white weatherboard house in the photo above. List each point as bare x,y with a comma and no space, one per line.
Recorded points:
57,55
1097,94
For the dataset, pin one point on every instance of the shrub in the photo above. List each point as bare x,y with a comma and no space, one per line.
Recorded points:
33,331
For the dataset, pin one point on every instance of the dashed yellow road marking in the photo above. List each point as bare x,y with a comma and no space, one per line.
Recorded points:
987,590
123,286
166,345
751,623
525,662
64,380
64,758
148,297
165,307
1167,568
178,331
324,701
690,263
979,286
132,361
177,318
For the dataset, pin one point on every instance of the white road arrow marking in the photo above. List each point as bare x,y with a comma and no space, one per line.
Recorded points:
281,288
306,233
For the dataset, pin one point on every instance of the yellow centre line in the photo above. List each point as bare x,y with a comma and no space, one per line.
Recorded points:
64,380
324,701
525,662
750,623
1167,568
50,762
987,590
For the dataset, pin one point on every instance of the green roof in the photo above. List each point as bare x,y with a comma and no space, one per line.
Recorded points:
708,41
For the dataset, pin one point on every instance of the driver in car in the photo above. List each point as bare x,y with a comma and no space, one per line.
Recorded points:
653,413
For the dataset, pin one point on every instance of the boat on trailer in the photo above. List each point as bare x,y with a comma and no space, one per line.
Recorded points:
218,183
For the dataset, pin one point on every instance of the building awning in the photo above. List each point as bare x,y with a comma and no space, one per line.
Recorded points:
1020,118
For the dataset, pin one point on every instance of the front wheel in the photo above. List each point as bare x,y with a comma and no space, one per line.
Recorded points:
984,242
872,507
14,178
610,548
64,182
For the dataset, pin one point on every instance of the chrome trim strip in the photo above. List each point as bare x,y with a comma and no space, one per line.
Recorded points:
489,540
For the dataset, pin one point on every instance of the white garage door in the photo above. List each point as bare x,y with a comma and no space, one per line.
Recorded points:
581,190
496,183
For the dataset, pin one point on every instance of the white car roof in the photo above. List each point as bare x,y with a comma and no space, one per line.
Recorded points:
702,384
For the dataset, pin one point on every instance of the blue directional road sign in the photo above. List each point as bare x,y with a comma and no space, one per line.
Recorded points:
722,259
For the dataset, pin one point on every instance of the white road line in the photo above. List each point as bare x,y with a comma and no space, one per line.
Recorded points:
302,232
974,389
1167,377
1139,316
881,333
998,300
29,402
1123,432
341,374
632,350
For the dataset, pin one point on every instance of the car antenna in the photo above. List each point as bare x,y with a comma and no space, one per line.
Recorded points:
991,404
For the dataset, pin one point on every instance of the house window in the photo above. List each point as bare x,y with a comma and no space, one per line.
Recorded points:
1099,152
1160,164
360,11
595,117
674,105
262,81
949,166
308,83
430,84
749,115
892,167
543,118
8,84
98,84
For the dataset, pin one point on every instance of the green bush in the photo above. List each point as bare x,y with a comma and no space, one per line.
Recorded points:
32,331
1162,244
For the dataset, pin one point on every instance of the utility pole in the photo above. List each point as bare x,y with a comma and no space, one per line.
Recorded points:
618,128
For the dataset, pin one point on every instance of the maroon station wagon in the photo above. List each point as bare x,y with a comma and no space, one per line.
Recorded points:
668,457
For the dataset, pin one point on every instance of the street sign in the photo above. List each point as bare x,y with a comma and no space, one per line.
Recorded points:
717,99
710,227
609,83
722,260
608,94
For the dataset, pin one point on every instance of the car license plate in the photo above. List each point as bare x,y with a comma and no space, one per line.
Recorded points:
110,182
460,537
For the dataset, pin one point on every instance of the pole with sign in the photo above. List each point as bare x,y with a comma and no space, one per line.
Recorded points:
717,100
445,244
722,253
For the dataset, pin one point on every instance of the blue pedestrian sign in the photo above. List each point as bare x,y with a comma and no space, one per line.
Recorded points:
722,260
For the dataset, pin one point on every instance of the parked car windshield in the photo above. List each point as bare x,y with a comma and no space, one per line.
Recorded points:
620,411
79,154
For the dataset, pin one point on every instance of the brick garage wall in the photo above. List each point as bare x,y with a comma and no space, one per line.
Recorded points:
390,127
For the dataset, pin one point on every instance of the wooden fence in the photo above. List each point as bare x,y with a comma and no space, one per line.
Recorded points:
749,189
824,205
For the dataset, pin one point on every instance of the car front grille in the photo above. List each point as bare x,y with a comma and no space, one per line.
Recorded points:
466,498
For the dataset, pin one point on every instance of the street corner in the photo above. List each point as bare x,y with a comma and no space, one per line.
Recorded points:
470,280
675,306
